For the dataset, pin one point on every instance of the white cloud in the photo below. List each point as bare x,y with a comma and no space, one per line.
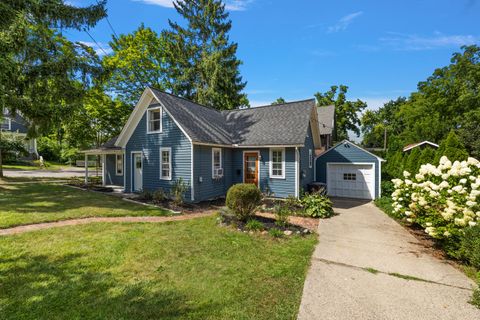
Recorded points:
344,22
410,42
101,49
232,5
375,103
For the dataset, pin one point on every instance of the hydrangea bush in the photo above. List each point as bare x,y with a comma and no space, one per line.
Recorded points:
443,199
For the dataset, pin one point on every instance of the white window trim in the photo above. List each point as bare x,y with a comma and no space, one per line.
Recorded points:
310,158
116,164
271,163
170,163
213,162
9,123
148,120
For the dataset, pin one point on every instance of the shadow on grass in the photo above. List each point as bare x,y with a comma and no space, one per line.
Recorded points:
39,287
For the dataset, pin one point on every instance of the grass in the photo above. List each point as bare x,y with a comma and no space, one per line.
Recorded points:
371,270
385,204
27,203
179,270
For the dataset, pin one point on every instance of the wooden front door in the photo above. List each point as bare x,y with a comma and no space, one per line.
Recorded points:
250,167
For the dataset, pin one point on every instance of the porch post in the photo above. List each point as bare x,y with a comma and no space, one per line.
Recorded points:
86,168
103,169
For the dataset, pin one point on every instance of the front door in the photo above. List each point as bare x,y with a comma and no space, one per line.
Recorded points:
250,168
137,172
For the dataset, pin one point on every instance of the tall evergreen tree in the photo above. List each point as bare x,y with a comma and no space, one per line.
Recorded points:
452,148
412,163
202,60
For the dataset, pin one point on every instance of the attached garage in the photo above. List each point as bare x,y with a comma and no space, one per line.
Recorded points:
350,171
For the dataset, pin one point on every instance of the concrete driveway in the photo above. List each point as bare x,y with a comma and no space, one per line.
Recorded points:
63,173
367,266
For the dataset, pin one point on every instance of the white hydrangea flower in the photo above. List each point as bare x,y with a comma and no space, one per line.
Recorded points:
472,161
447,234
406,174
472,224
419,177
408,213
460,222
428,224
443,185
471,203
463,181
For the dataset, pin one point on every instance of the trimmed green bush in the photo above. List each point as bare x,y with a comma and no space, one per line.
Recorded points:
243,199
317,206
146,195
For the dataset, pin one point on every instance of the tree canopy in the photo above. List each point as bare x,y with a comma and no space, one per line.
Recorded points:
346,112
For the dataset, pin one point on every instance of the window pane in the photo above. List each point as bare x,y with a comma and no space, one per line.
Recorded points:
277,163
154,120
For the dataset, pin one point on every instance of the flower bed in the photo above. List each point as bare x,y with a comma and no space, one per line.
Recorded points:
442,199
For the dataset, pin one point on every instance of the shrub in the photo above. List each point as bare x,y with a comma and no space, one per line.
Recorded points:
317,206
276,233
243,199
470,246
254,225
146,195
385,203
293,204
159,195
442,199
476,298
387,188
179,189
281,213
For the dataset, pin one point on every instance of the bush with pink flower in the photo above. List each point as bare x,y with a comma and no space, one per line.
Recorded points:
442,199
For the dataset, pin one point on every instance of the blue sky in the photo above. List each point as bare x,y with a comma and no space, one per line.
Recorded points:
292,49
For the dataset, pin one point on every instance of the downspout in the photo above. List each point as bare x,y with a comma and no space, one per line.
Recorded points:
297,178
192,180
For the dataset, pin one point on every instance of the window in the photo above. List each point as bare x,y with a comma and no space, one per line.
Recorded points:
277,163
119,164
6,124
217,170
310,158
350,176
166,163
154,120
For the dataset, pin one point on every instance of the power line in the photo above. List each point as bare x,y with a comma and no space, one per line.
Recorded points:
95,41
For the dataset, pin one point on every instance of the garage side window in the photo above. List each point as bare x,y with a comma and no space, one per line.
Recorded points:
277,163
119,164
350,176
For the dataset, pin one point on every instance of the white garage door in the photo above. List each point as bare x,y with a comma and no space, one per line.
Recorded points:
351,180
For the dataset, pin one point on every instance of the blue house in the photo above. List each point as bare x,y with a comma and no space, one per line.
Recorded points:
167,138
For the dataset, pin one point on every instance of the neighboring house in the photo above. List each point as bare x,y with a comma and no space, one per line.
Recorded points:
16,126
350,171
167,138
326,125
421,145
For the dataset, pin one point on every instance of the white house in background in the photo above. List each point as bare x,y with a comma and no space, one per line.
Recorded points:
420,145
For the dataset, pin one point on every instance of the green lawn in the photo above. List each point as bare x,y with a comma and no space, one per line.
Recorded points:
179,270
25,203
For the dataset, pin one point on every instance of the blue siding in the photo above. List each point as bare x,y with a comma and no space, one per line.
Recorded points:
277,187
306,173
149,145
210,188
347,153
111,177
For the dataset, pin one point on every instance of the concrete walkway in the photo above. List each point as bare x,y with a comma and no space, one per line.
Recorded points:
62,173
74,222
361,266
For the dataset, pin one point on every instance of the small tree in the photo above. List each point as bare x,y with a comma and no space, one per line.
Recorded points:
278,101
394,165
427,156
452,148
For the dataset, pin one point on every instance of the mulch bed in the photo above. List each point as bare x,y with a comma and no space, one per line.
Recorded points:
268,223
304,222
185,208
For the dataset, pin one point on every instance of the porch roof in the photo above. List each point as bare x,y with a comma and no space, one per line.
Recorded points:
107,148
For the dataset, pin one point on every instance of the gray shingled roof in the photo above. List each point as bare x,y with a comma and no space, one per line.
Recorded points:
284,124
326,115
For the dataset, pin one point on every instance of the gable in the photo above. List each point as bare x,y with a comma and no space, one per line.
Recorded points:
350,152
